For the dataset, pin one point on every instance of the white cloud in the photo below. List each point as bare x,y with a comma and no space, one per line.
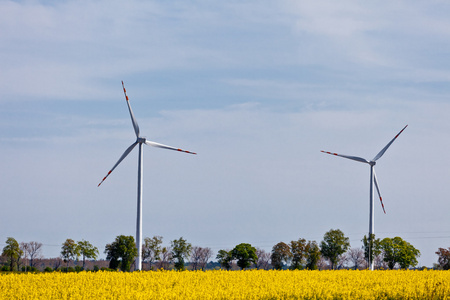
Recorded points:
390,35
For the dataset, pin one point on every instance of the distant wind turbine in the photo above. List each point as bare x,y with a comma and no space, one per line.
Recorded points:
373,179
139,141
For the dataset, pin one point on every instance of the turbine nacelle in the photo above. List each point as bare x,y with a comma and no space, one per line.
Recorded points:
141,140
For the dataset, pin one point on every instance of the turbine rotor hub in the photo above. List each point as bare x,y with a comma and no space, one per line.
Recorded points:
372,163
141,140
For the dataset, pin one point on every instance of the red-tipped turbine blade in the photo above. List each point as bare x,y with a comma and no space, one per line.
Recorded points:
133,119
378,190
388,145
120,159
158,145
360,159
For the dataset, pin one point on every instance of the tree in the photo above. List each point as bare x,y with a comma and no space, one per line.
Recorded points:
56,262
342,261
206,255
151,249
298,250
312,255
322,263
245,254
87,250
444,258
165,258
372,248
24,248
69,251
196,254
379,262
333,245
397,250
181,250
281,252
263,259
199,257
376,252
34,251
356,257
225,258
121,253
13,252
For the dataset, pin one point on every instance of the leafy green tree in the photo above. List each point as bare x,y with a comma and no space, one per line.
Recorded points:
245,254
281,252
69,251
121,253
444,258
224,258
181,250
151,249
87,250
333,245
312,255
399,251
298,250
371,247
13,252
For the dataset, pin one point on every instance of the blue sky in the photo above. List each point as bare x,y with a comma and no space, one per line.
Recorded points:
257,88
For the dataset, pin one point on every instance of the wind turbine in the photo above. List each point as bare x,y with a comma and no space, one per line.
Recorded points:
139,141
373,179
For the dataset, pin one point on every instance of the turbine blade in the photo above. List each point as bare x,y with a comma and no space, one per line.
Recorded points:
133,120
378,190
120,159
388,145
158,145
360,159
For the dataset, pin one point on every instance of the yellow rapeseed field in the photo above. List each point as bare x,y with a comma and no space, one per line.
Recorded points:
253,284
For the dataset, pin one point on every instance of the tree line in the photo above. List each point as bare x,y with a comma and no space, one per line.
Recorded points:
333,252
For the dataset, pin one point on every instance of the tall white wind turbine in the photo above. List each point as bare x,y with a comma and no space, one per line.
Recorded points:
139,141
373,179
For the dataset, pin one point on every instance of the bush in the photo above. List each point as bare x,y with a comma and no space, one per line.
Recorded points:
30,269
5,269
78,269
48,270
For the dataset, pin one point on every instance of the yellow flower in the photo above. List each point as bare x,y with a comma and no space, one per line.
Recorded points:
252,284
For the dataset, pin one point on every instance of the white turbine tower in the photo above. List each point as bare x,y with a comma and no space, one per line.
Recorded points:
139,141
373,179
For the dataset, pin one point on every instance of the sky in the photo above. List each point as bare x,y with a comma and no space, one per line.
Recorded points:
256,88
